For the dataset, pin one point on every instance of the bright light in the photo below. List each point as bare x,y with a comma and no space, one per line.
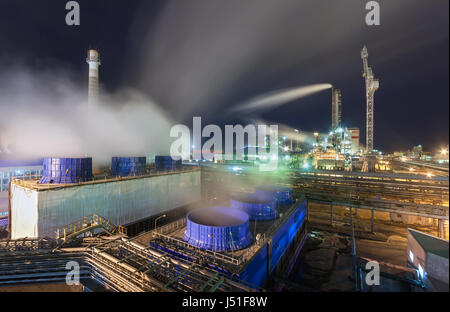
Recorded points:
193,146
287,157
305,165
316,134
331,133
284,138
411,256
429,174
411,169
444,151
286,148
339,130
296,130
421,272
237,169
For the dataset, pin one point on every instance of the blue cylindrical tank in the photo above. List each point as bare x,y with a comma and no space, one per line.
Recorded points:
166,163
259,207
66,170
218,229
128,166
281,193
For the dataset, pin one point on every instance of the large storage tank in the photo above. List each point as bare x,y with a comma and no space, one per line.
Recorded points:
166,163
128,166
281,193
259,207
218,229
66,170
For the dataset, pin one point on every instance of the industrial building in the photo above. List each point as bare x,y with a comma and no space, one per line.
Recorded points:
222,227
353,134
38,210
429,256
336,108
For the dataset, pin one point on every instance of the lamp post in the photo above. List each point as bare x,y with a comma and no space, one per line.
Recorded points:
156,220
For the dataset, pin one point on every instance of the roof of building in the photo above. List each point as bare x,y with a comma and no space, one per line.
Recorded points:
431,244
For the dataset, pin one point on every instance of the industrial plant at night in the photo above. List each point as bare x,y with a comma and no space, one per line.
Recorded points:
153,183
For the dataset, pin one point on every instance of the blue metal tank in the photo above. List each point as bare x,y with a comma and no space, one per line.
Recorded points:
166,163
218,229
259,207
66,170
128,166
281,193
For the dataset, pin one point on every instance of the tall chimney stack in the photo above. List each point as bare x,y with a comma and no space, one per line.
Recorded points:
93,59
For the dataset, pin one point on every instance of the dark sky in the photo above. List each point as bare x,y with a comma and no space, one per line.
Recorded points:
200,58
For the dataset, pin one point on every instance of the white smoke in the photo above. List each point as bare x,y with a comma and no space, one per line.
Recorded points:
280,97
44,114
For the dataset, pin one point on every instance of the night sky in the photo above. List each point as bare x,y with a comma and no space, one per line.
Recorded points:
200,58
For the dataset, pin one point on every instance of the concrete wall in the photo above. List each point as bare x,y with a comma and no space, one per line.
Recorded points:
257,270
121,202
420,256
437,267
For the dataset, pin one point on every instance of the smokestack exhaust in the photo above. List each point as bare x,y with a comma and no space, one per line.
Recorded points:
93,59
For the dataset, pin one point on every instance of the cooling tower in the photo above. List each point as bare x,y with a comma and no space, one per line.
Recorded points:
128,166
259,207
218,229
66,170
166,163
282,194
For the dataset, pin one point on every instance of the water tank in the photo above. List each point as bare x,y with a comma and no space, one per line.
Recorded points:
128,166
259,207
281,193
66,170
166,163
218,229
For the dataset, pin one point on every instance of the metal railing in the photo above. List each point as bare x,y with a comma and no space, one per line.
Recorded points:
88,223
215,255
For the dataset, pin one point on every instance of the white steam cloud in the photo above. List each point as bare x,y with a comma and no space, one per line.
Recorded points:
280,97
44,114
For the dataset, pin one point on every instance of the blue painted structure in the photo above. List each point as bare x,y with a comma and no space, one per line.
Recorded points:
258,207
258,270
281,193
128,166
66,170
166,163
218,229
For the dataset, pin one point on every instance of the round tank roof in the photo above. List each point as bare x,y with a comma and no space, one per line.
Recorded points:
218,229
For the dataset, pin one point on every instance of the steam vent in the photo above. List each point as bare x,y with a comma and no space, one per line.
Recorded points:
282,194
218,229
258,207
128,166
66,170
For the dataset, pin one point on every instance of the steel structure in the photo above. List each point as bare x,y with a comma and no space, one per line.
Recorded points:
372,85
119,264
336,108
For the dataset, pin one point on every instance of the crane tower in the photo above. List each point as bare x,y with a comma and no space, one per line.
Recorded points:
372,85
